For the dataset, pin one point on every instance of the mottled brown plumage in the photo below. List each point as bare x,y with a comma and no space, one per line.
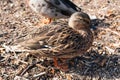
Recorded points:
62,41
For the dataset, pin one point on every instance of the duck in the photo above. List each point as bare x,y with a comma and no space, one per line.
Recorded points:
61,41
53,9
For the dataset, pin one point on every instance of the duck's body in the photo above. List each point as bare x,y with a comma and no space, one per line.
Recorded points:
62,41
59,41
53,8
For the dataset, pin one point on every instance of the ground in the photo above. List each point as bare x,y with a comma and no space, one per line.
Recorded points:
102,61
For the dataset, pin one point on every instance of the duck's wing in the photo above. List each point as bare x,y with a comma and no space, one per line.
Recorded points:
65,5
39,41
36,39
70,4
59,41
65,42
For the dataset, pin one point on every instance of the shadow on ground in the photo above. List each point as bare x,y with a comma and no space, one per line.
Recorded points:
98,66
97,23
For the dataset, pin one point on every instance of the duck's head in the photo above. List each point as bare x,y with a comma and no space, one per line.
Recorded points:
79,20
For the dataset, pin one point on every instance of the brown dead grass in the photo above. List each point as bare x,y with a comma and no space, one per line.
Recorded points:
101,62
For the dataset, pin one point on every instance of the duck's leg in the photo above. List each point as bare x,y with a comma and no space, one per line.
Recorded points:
44,21
47,21
63,66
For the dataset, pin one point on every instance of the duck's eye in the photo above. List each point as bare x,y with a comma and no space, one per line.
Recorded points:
87,21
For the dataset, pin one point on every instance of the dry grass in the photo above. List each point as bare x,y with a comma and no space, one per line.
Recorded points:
101,62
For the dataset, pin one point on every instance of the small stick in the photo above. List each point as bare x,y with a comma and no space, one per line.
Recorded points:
38,75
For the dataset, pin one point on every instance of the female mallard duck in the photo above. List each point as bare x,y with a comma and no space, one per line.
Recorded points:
53,9
62,41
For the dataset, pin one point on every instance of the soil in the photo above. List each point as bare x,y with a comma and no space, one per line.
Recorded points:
101,62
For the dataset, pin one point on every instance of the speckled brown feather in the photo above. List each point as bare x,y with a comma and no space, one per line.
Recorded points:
60,41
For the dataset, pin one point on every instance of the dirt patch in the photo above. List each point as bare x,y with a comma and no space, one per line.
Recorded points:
102,62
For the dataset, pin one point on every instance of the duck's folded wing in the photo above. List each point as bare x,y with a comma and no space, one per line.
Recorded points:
66,42
36,40
65,5
70,5
40,41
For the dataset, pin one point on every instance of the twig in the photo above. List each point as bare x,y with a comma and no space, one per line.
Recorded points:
109,50
38,75
31,66
26,69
